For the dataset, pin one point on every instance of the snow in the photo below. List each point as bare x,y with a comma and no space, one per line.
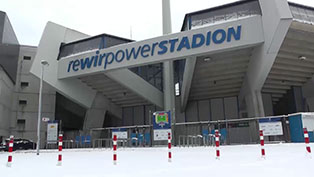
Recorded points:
282,160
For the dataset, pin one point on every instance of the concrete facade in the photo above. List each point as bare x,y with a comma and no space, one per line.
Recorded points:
25,103
261,72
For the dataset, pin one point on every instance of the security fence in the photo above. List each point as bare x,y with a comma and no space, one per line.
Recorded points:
187,134
233,131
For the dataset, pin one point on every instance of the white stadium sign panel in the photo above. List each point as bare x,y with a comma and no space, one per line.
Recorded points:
215,38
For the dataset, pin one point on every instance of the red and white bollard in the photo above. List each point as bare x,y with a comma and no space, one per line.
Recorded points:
115,149
217,144
307,140
261,137
9,164
169,148
60,150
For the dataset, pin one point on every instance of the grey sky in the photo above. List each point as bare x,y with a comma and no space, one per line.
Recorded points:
93,17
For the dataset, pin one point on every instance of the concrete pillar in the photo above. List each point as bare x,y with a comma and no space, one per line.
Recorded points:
254,104
168,80
298,99
95,116
276,19
168,83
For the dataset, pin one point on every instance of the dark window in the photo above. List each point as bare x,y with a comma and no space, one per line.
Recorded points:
21,124
27,58
22,102
24,84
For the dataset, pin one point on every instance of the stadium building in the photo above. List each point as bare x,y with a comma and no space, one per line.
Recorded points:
250,58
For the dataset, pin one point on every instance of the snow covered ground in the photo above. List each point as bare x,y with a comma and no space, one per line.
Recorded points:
282,160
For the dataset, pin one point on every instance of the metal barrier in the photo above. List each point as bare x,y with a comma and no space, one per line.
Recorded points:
198,140
107,143
186,134
232,131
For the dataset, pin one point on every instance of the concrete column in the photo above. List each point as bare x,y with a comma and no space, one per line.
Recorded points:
298,99
308,94
254,104
276,19
168,85
95,116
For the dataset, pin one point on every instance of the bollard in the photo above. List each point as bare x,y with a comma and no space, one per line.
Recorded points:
169,147
261,136
60,150
115,149
307,140
9,164
217,144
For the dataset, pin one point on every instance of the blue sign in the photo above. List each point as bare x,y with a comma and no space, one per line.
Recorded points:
162,120
158,48
264,120
119,130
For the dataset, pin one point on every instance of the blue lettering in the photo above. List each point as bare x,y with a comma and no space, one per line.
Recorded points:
145,48
153,48
109,61
232,32
222,36
208,38
172,44
198,40
96,58
122,56
162,47
135,54
87,62
184,43
69,67
75,65
101,56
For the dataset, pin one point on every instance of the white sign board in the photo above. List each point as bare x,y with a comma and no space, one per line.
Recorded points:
271,128
225,36
52,132
45,119
120,134
308,121
161,134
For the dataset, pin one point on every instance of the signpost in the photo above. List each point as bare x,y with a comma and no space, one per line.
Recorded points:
162,125
52,132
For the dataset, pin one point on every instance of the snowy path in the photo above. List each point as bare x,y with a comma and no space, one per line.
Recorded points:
282,160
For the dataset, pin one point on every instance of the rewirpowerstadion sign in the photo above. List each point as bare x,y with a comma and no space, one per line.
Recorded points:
234,34
161,125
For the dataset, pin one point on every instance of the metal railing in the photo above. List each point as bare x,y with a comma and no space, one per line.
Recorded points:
186,134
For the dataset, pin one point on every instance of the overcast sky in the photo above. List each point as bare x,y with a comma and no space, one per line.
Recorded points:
116,17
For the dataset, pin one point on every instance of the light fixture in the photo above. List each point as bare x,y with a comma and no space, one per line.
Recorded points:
302,58
208,59
44,62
